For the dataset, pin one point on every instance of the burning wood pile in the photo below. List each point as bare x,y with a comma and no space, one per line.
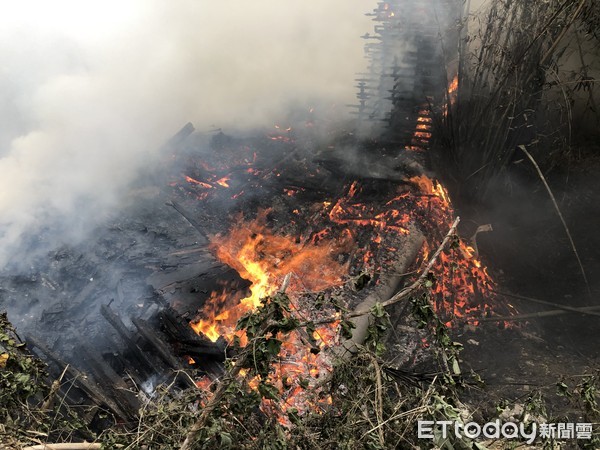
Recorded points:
403,79
340,222
222,234
345,240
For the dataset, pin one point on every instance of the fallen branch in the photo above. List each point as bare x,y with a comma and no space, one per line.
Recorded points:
66,446
387,286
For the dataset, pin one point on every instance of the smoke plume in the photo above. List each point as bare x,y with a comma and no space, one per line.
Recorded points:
91,89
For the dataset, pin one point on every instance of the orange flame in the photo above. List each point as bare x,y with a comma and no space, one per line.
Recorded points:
264,258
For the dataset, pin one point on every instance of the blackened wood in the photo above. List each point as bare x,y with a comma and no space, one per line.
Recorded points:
178,138
113,384
148,366
187,216
187,341
160,280
200,349
162,349
81,379
83,295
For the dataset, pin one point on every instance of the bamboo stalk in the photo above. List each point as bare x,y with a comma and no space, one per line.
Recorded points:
562,219
547,303
536,315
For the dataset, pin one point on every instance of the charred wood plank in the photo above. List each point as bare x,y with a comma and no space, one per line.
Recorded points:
163,351
178,138
104,374
147,365
82,380
200,349
187,216
83,295
186,341
161,280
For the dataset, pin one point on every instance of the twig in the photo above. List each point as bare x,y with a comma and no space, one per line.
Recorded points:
413,287
544,302
47,405
562,34
562,219
285,284
212,404
378,400
536,315
66,446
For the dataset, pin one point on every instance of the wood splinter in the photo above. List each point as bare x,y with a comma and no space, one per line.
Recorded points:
66,446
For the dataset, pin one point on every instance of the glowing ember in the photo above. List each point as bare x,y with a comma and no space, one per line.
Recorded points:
463,286
223,182
199,183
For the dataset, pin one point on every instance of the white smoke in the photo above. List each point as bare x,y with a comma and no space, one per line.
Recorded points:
89,90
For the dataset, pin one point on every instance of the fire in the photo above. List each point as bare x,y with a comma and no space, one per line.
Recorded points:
223,181
463,287
422,133
346,234
453,89
264,259
452,95
199,183
431,187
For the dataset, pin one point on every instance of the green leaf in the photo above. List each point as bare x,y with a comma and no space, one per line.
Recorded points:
378,310
380,348
225,439
268,391
455,366
346,329
293,416
310,328
361,281
273,347
288,324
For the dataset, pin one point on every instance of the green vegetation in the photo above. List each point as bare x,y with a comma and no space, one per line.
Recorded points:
525,78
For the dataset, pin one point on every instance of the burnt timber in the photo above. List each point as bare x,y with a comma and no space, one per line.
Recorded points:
114,310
